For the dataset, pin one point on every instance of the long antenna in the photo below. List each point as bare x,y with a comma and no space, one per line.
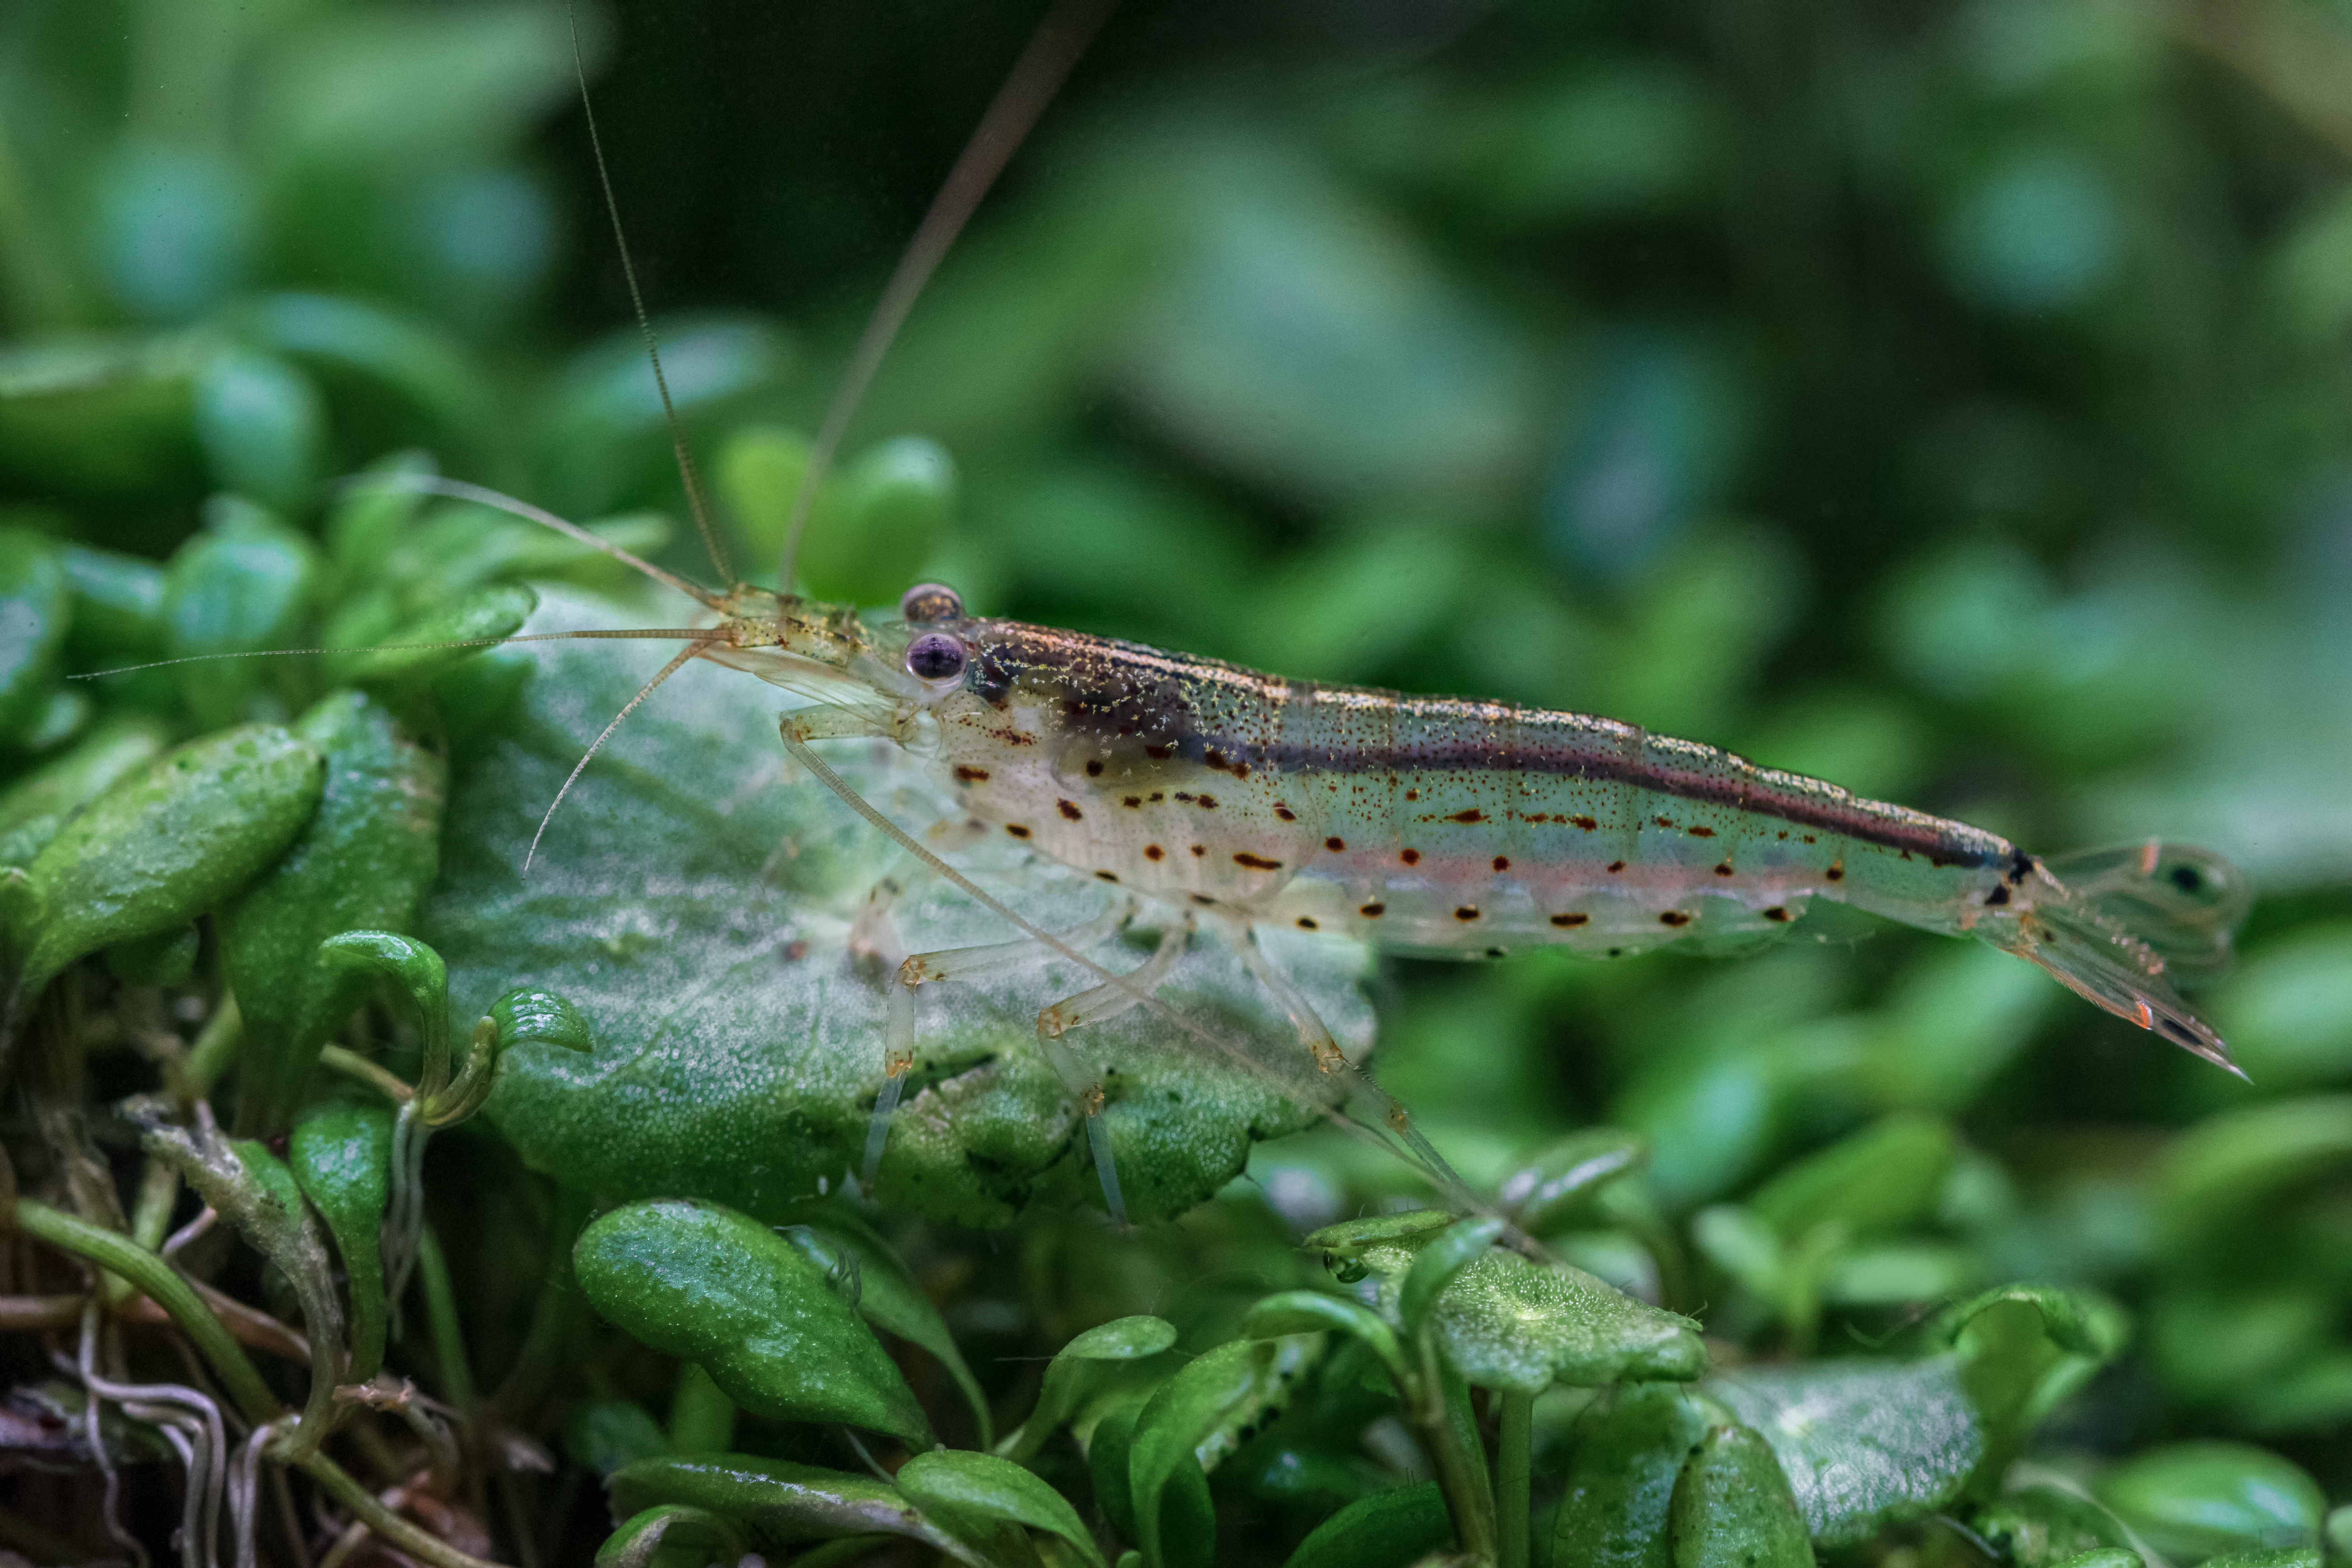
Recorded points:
688,475
1053,49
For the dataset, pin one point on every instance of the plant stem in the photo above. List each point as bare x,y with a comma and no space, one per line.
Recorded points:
1449,1428
162,1284
1512,1451
345,1489
216,1048
353,1065
441,1313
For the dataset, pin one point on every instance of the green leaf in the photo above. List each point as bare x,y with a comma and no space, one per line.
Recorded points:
634,1542
167,843
1732,1508
1437,1263
1387,1530
242,586
1505,1323
708,1285
36,805
605,1434
739,1046
117,606
969,1493
1864,1443
1195,1417
397,353
835,1239
497,610
1868,1442
35,610
541,1018
362,862
2041,1526
167,958
895,502
2230,1168
1560,1182
1879,1180
262,425
1621,1477
2198,1500
778,1501
1081,1367
1312,1312
341,1152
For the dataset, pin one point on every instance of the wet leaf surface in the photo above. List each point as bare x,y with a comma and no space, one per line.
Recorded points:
777,1334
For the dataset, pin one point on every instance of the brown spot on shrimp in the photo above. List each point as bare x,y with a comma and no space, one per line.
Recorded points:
1467,913
1013,737
1154,852
1159,753
1723,869
1702,833
1672,918
1094,767
1255,862
1068,808
1107,876
1334,844
1836,873
1132,802
1999,896
1473,814
1410,857
1502,862
1306,922
1199,850
968,775
1776,913
1616,866
1285,812
1570,923
1015,830
1373,911
1589,823
1207,803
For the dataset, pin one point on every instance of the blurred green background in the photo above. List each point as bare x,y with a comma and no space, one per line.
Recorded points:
1952,400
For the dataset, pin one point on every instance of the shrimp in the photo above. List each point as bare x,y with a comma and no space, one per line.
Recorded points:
1223,801
1235,800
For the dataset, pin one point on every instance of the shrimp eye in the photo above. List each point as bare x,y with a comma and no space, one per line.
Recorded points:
927,602
935,656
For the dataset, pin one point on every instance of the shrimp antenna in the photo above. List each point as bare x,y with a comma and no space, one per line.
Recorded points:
651,634
647,689
688,475
1045,64
482,495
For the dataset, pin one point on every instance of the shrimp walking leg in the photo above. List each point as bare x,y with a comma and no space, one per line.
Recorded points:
948,963
1315,1035
1094,1006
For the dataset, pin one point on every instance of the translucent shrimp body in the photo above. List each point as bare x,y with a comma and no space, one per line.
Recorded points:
1456,827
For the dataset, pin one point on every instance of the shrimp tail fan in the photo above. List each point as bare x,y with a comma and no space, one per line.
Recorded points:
2118,926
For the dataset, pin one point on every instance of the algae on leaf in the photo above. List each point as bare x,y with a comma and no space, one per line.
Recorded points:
694,905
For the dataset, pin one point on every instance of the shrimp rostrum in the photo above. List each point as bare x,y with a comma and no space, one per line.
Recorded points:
1236,800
